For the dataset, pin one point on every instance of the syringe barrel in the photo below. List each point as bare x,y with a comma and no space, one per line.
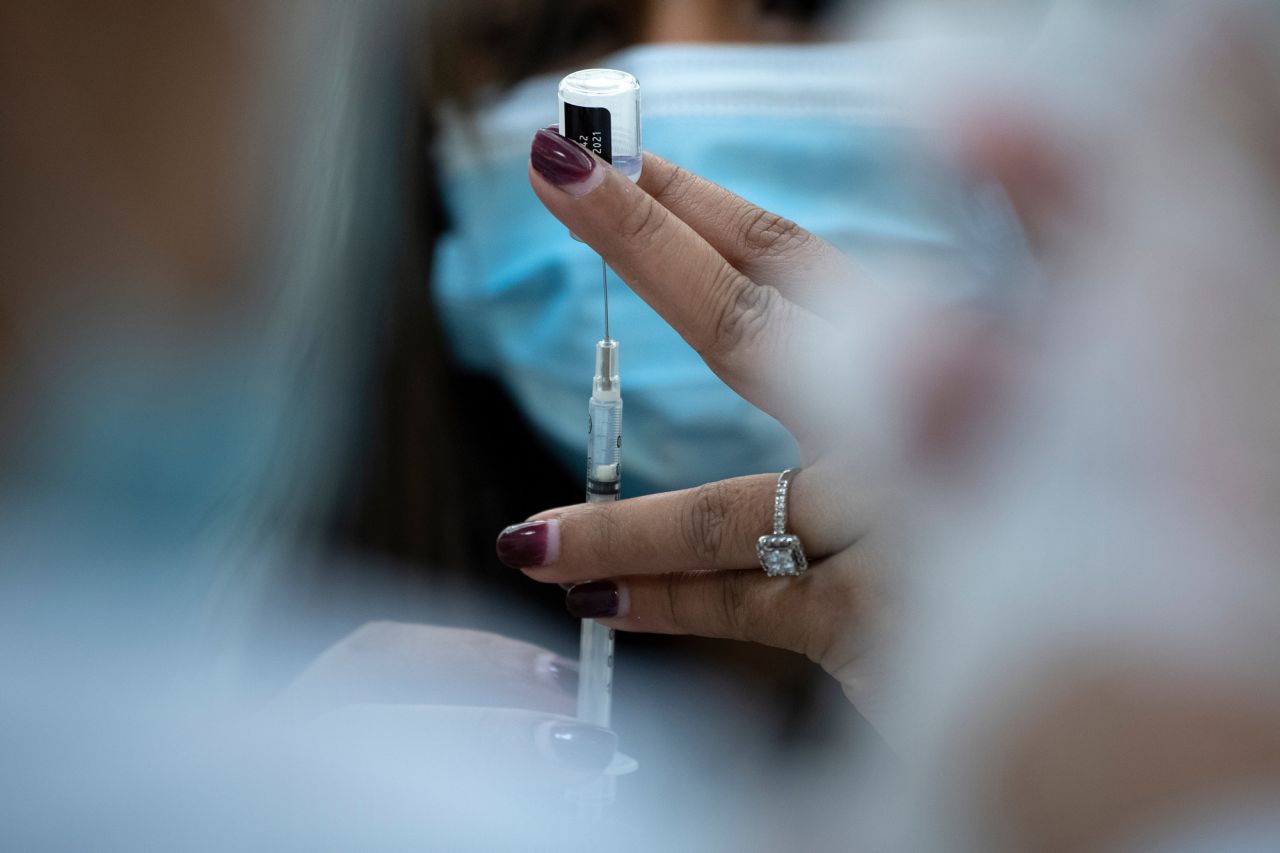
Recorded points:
604,426
604,483
604,449
595,668
600,110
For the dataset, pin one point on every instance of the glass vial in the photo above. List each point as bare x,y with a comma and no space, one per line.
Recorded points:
600,110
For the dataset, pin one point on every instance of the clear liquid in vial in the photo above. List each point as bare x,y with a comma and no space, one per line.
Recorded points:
629,166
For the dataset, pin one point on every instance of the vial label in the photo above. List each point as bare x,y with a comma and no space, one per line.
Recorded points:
590,127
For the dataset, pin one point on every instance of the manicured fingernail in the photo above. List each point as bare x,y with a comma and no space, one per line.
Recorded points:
561,671
580,746
528,545
595,600
564,164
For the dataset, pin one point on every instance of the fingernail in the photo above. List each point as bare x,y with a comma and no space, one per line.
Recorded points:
564,164
580,746
528,545
563,672
595,600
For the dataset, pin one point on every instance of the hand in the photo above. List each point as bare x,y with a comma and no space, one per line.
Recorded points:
451,703
744,288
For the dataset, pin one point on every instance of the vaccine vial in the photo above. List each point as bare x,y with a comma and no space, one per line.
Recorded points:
600,110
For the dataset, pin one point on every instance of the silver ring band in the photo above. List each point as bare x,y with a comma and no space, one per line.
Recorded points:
781,553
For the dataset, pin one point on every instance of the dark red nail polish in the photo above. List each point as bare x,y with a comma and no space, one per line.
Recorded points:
534,543
581,746
595,600
559,160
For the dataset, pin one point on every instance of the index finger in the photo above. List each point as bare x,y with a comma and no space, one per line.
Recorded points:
767,248
746,332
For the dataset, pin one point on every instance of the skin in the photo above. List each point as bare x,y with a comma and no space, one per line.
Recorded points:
674,21
143,160
407,664
1097,750
685,562
1106,744
136,152
469,704
1113,745
139,181
659,22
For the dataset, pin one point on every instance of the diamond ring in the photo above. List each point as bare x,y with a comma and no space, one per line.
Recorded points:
781,554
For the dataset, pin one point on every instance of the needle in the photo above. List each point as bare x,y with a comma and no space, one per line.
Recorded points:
604,280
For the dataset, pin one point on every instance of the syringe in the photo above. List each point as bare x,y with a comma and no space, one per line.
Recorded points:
600,110
604,482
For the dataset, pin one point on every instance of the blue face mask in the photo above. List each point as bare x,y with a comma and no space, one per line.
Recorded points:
804,131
